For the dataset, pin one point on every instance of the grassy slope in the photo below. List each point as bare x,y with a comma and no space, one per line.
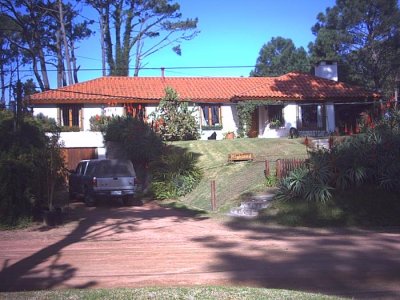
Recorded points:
235,179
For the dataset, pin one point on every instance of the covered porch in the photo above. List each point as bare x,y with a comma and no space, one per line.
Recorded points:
311,119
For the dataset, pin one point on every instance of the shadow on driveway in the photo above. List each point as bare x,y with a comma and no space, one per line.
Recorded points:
343,262
82,225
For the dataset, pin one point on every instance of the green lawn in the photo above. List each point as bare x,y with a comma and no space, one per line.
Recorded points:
234,180
220,293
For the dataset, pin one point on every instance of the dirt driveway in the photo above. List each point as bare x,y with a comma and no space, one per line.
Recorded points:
149,245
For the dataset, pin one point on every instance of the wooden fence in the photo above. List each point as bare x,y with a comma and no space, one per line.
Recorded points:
283,166
73,156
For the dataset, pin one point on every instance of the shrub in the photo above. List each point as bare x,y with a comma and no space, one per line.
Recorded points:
303,183
138,140
99,123
15,190
372,158
175,174
29,167
175,120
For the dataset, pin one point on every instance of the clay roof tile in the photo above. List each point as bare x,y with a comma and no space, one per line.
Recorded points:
292,86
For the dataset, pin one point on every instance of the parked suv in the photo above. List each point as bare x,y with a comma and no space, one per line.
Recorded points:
111,178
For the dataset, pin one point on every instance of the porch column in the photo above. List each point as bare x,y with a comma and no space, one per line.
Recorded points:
289,115
330,117
262,120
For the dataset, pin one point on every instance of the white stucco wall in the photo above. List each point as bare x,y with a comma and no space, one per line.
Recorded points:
330,117
82,139
150,109
49,111
113,111
290,115
88,112
229,122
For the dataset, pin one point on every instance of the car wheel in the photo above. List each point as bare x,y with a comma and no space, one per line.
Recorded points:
132,200
127,200
88,199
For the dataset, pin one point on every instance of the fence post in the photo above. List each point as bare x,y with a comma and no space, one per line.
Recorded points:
278,169
267,169
213,196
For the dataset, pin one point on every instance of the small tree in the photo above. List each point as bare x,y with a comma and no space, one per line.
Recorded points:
137,140
175,120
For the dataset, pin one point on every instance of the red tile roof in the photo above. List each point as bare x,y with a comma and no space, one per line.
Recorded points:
292,86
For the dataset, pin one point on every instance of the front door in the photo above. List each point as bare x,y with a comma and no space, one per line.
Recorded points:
253,132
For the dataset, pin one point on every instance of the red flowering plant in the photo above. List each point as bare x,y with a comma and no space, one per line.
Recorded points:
99,123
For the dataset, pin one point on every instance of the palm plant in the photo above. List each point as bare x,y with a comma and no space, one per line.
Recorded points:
371,158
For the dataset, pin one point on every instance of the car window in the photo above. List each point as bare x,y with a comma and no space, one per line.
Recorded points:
114,168
90,168
84,166
78,168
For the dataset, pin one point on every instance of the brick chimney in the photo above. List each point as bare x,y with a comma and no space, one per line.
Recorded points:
327,69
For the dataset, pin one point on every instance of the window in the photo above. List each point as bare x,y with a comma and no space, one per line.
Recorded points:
70,115
211,115
311,117
275,116
80,169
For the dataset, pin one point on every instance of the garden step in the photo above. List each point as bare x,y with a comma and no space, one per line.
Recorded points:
251,207
320,143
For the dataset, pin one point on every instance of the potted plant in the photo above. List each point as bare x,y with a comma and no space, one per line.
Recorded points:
230,135
275,124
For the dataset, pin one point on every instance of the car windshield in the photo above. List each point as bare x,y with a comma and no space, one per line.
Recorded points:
114,168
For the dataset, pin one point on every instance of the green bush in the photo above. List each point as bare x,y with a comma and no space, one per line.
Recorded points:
15,190
99,123
175,121
372,158
141,144
137,140
30,166
175,174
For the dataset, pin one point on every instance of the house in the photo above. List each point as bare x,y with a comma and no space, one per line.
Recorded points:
312,104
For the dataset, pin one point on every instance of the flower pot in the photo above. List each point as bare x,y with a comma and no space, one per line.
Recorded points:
230,136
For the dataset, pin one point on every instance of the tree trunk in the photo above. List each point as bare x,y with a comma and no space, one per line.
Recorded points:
42,62
108,41
126,48
118,48
103,46
138,58
37,75
64,37
60,65
3,84
73,60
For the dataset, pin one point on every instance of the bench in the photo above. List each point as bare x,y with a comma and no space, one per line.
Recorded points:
232,157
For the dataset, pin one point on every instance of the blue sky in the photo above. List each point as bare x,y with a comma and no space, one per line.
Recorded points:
232,34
